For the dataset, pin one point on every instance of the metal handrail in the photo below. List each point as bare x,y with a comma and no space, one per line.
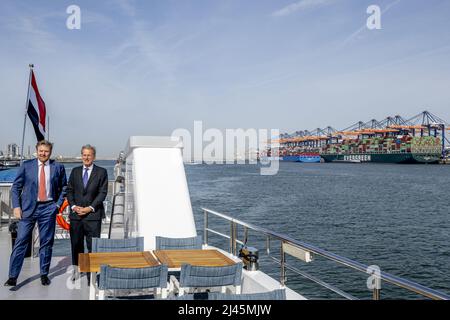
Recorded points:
8,186
120,193
1,213
397,281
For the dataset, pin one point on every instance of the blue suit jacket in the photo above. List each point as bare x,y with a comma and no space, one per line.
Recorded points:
24,191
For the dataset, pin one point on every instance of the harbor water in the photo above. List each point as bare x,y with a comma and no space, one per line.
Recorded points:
392,216
395,217
9,174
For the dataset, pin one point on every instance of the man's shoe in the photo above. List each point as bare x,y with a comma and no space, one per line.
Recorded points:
12,282
75,275
45,281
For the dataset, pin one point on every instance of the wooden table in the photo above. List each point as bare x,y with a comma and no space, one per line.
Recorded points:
91,262
206,258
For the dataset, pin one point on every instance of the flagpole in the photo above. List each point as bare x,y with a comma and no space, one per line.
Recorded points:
48,127
26,111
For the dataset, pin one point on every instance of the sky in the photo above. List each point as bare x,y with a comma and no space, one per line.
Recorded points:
150,67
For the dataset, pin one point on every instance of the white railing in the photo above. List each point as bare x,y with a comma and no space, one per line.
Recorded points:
313,250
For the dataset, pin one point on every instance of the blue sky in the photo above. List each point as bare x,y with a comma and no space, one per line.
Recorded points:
149,67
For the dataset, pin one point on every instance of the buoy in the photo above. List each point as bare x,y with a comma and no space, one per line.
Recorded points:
59,217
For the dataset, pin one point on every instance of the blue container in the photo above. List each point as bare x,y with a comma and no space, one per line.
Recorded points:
309,158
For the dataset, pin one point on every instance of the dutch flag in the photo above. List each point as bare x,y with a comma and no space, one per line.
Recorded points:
36,109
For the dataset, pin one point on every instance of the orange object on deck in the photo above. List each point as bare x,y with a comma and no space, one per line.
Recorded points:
59,217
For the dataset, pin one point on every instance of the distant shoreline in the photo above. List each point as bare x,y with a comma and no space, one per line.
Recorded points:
79,160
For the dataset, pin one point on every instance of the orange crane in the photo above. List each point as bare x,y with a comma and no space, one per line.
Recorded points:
348,133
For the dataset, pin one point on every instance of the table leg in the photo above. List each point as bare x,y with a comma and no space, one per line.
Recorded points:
101,294
93,286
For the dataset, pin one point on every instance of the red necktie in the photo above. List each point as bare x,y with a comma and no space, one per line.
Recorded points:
42,195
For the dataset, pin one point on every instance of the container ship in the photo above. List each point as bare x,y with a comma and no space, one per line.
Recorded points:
401,149
420,139
303,157
291,155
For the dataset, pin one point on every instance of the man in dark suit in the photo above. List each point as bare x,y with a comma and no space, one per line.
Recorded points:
86,190
37,193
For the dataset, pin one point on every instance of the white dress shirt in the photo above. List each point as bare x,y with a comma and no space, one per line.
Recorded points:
89,171
89,175
47,178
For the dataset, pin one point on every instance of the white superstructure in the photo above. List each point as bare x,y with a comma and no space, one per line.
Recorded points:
157,201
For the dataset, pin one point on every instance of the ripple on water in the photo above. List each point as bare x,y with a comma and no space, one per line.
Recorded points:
394,216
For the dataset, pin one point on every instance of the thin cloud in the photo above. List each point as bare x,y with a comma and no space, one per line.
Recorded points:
32,31
355,34
149,51
300,6
402,60
127,7
38,30
88,17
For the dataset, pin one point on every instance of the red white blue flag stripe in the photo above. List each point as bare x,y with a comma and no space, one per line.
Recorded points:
36,109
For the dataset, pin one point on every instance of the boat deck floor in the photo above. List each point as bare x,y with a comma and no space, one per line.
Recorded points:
29,284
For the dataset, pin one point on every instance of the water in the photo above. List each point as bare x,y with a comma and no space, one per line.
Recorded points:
393,216
9,174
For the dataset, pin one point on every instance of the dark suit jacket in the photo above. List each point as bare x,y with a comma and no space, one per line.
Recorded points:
93,195
24,191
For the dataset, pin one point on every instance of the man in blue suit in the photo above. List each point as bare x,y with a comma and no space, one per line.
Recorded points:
37,193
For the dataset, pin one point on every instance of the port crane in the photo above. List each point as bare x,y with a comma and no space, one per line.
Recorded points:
424,123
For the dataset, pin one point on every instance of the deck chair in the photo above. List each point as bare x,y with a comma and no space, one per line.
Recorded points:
164,243
183,297
117,245
195,277
128,280
279,294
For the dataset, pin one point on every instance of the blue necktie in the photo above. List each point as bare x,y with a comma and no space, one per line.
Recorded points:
85,177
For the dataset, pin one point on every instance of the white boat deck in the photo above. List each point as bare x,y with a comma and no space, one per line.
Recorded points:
29,283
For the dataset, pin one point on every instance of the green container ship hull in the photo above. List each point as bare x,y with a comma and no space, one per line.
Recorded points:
382,149
400,149
382,157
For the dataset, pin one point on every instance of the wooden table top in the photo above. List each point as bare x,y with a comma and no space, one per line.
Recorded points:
91,262
209,257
